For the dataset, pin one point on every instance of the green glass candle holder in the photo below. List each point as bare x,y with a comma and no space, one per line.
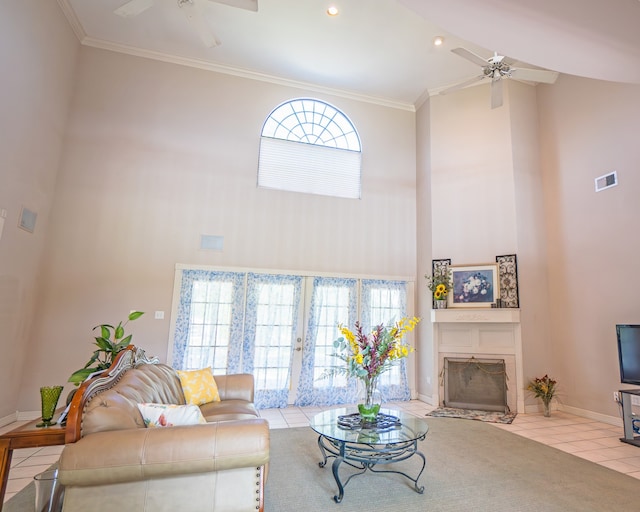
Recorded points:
49,395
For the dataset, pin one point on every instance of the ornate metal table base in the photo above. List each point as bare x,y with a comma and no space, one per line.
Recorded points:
363,456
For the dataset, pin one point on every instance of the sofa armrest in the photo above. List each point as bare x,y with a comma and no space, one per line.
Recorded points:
143,453
235,386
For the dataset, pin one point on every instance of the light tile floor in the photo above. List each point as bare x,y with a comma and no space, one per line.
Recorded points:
592,440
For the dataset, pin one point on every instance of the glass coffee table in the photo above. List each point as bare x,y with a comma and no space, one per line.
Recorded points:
393,438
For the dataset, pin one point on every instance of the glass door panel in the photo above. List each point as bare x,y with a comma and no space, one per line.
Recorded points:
271,325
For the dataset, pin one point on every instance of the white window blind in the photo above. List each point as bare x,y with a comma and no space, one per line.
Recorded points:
308,168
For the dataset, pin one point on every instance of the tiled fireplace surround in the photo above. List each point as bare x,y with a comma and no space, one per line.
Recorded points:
483,334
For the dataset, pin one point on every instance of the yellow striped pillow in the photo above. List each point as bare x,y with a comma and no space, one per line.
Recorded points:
199,386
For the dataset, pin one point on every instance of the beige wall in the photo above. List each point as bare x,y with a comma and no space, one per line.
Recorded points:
158,154
528,195
487,198
472,176
590,128
576,248
37,58
424,353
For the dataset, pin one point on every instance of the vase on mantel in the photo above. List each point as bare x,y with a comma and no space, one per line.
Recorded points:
440,304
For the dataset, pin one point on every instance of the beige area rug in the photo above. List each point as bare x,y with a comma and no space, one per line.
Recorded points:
471,467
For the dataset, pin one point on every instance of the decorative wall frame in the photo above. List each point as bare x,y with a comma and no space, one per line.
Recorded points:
437,267
474,286
508,270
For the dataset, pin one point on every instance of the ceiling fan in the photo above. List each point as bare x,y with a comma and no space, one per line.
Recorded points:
191,9
497,68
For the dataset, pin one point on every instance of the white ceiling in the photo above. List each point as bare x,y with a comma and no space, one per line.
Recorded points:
379,50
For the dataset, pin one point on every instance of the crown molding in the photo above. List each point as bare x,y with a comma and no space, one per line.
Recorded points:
73,20
243,73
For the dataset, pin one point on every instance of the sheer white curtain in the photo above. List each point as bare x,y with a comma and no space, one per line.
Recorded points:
208,329
248,322
270,328
385,302
334,301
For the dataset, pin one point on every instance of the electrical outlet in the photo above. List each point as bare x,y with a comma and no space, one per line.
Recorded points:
616,396
635,400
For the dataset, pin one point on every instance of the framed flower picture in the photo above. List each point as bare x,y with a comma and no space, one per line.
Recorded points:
474,286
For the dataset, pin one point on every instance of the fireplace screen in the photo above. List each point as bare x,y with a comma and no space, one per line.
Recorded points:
475,384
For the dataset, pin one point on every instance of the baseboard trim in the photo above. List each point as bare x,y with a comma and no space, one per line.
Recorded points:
28,415
604,418
9,419
427,399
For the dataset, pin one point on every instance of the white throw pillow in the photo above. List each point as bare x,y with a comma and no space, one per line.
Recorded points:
169,415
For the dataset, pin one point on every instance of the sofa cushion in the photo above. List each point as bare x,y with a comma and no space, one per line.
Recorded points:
229,410
170,415
199,386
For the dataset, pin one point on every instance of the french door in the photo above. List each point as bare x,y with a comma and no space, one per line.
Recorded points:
281,329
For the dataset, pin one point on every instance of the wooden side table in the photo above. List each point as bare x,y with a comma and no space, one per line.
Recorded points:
26,436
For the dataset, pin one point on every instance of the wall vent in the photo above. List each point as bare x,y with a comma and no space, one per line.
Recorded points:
606,181
211,242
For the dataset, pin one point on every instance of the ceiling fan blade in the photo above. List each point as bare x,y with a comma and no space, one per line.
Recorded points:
496,93
133,8
466,54
508,61
534,75
249,5
198,22
462,84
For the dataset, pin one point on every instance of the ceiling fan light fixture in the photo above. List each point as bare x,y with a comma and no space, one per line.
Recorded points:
332,10
438,41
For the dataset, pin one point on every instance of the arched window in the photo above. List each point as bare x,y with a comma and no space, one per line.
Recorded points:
309,146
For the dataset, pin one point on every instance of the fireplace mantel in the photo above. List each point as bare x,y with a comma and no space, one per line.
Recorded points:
482,333
495,316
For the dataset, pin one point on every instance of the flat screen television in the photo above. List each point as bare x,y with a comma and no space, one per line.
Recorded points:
629,353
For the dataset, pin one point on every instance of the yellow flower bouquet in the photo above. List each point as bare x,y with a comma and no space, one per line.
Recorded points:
367,356
440,284
545,388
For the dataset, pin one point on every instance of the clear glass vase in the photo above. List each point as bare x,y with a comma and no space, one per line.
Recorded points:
546,403
49,491
370,399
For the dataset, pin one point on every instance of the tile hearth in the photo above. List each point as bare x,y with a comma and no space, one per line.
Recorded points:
592,440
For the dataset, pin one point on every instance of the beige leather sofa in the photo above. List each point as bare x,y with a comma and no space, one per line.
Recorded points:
112,462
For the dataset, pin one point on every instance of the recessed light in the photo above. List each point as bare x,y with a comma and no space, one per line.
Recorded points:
438,41
332,10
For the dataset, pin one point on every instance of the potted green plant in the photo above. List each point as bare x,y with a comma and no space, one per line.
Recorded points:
110,343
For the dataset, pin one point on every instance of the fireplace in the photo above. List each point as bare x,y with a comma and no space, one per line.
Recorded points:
471,383
485,334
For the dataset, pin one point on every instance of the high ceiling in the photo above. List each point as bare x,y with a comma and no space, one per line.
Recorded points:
380,50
